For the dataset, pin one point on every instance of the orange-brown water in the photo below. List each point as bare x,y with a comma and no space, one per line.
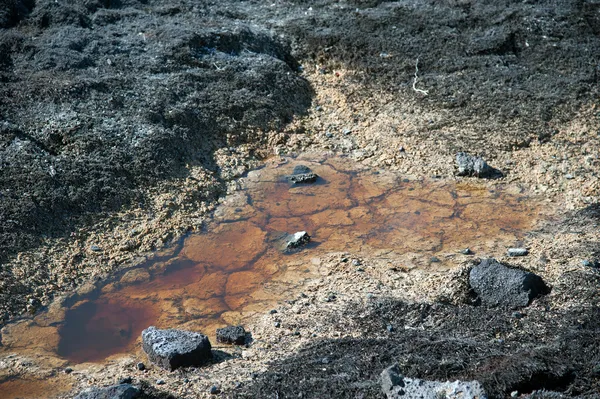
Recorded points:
234,269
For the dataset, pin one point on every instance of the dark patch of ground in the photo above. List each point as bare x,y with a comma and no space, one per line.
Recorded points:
100,100
500,66
539,348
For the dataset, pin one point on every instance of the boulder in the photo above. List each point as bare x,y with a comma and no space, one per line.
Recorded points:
121,391
231,335
396,386
469,165
171,349
499,285
302,175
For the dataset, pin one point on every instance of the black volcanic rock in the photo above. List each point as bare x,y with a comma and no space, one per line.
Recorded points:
231,335
172,349
499,285
121,391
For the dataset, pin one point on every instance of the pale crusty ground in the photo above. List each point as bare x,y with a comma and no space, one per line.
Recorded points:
380,127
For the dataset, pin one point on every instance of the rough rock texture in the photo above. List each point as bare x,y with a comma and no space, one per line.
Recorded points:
113,103
231,335
469,165
396,386
121,391
292,242
302,175
517,252
498,285
172,349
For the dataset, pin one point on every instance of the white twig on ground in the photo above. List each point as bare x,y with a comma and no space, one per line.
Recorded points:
424,92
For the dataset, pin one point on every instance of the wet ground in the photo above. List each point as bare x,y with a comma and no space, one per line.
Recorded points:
235,269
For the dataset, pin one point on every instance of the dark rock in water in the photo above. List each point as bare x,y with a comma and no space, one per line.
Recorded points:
469,165
171,349
302,175
396,386
231,335
298,239
289,243
498,285
121,391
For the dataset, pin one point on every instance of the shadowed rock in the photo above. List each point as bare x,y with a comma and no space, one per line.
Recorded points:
469,165
292,242
396,386
302,175
231,335
498,285
171,349
121,391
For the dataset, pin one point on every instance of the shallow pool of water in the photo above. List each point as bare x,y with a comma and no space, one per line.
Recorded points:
234,269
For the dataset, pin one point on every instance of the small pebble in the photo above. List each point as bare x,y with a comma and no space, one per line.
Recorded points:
360,269
434,259
297,333
329,135
318,108
214,390
517,315
587,263
273,311
325,360
95,248
568,176
517,251
390,328
160,382
514,394
346,132
402,149
355,262
466,251
68,370
277,324
141,366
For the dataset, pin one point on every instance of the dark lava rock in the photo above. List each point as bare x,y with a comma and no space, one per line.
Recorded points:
12,11
121,391
302,175
469,165
289,243
395,386
498,285
231,335
141,366
171,349
297,240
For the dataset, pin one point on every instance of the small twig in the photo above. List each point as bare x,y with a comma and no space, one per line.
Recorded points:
414,86
218,67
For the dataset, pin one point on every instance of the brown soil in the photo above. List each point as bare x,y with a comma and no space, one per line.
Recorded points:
81,217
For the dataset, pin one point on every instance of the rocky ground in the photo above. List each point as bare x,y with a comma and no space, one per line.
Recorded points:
123,122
